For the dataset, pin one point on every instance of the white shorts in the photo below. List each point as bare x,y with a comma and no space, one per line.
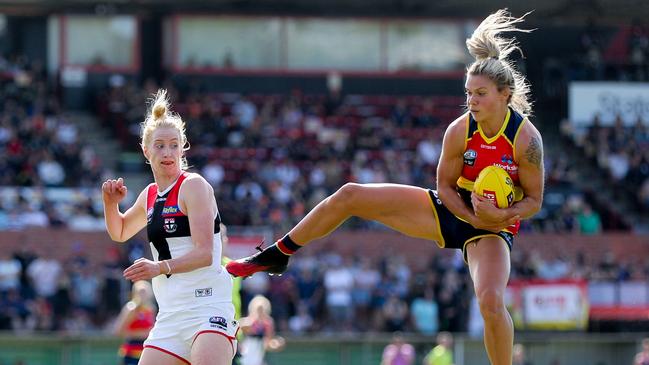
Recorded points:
174,333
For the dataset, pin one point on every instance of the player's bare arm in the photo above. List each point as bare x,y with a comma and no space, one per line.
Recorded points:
529,154
122,226
449,169
197,201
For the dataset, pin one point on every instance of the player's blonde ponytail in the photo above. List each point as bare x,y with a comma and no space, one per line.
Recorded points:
491,52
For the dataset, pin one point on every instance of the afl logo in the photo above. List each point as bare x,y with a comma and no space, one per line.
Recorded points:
170,225
219,322
469,157
149,215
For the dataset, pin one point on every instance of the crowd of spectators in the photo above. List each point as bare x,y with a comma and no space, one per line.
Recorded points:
271,158
39,292
40,145
324,291
44,166
621,152
617,150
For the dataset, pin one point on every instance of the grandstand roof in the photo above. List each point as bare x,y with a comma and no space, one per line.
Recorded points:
555,10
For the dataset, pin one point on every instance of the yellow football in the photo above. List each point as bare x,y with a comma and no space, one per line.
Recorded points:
494,183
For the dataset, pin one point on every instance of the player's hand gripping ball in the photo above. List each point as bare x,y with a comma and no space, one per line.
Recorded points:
494,183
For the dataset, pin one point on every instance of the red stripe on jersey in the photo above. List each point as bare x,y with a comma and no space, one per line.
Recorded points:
151,195
172,198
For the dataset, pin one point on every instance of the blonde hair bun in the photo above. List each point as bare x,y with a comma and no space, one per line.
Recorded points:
160,105
160,115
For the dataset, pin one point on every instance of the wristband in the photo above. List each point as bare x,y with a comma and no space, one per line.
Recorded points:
168,267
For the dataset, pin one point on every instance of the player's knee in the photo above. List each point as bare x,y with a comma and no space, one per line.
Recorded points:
344,198
491,301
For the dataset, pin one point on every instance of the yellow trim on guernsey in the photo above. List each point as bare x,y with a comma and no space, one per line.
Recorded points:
440,242
500,132
475,238
465,183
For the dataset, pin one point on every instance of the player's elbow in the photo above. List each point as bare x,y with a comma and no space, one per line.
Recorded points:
117,237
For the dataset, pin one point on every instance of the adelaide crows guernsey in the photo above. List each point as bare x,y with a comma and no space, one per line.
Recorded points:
170,237
481,151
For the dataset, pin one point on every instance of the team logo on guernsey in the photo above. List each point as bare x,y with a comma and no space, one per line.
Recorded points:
219,322
170,225
469,157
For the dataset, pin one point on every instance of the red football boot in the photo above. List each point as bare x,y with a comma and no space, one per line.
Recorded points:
270,260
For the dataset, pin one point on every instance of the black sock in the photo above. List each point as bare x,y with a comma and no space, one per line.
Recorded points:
287,246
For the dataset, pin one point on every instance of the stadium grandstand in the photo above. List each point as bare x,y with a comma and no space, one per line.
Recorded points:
287,100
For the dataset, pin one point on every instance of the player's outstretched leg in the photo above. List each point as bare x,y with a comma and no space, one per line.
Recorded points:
406,209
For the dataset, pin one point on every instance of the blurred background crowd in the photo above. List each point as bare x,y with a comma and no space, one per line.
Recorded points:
284,102
271,158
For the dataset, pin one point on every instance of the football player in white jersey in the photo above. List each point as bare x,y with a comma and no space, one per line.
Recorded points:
195,323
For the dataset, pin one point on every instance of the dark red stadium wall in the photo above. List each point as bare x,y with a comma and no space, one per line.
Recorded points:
315,82
61,244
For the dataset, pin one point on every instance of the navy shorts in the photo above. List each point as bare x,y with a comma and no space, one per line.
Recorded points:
457,233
